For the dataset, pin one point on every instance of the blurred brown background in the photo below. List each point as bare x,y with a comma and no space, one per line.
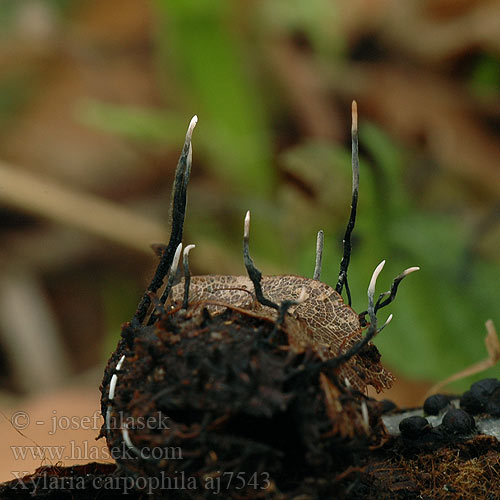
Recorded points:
95,98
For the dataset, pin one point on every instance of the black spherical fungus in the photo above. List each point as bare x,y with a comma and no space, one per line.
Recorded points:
485,387
458,422
470,402
414,427
387,406
493,406
457,425
435,403
477,398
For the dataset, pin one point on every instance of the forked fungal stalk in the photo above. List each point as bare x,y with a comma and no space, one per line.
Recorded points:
371,311
392,292
178,212
394,288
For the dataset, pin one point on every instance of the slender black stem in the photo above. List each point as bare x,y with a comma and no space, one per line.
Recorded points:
178,212
394,289
253,273
372,329
355,349
344,264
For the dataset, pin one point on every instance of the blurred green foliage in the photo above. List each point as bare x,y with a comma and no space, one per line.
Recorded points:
439,315
485,77
194,38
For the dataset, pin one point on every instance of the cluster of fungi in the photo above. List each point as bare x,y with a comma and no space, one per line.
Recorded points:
265,376
254,386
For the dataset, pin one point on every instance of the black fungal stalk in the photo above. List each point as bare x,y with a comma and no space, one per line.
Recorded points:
178,212
346,258
253,273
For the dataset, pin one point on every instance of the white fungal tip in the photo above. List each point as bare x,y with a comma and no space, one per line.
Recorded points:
373,281
246,232
192,124
188,249
120,363
347,383
112,386
388,320
410,270
175,262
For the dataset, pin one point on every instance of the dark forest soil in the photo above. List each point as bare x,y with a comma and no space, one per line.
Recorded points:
252,415
470,469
